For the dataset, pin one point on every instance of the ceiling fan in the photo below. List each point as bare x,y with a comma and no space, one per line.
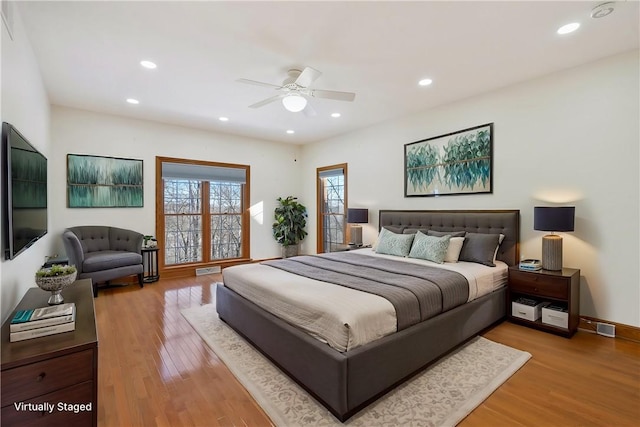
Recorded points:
295,90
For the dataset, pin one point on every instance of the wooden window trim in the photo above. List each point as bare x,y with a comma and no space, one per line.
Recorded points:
188,269
319,202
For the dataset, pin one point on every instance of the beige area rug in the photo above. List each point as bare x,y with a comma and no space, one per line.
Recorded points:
440,396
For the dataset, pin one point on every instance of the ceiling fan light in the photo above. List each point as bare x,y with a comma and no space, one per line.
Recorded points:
294,102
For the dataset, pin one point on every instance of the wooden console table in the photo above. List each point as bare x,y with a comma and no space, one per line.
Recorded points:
60,370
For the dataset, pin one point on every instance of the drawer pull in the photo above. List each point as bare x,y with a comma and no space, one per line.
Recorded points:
40,377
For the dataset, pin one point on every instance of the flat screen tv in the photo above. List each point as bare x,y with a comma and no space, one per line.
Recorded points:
24,192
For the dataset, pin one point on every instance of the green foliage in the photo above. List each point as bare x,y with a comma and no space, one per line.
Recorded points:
56,270
290,221
467,160
421,165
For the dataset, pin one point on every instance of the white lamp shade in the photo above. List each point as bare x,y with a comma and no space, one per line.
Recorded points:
294,102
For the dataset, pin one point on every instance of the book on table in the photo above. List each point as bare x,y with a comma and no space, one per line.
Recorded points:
39,322
42,332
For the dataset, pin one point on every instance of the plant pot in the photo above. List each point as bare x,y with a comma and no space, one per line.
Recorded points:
289,251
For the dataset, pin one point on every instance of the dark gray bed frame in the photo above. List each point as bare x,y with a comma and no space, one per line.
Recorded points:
346,382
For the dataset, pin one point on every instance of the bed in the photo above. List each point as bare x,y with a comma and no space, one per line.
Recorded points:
346,381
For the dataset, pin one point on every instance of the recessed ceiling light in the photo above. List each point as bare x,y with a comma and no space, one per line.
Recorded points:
290,131
133,101
569,28
148,64
223,119
425,82
335,115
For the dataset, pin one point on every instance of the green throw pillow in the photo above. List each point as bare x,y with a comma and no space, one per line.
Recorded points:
390,243
430,248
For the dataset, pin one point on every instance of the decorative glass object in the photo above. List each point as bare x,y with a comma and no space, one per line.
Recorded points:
54,280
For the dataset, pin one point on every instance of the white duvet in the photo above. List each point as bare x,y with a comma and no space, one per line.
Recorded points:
342,317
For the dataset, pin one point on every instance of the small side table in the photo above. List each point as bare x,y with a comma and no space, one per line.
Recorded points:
559,287
150,265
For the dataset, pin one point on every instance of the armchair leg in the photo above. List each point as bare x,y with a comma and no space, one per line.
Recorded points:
140,281
95,289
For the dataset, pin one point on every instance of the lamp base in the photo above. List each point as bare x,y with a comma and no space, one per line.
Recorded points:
356,235
552,252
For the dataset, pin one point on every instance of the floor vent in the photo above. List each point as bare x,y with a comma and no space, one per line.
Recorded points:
207,270
606,329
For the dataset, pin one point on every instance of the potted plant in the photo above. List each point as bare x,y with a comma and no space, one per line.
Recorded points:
288,228
54,279
149,242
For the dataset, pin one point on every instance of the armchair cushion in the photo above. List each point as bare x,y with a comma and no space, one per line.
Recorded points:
107,260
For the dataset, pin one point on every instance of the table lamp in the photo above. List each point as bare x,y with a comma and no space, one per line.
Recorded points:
553,219
356,217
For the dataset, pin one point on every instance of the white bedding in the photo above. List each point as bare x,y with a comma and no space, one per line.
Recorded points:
342,317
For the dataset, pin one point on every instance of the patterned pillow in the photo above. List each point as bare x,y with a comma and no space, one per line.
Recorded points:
391,243
430,248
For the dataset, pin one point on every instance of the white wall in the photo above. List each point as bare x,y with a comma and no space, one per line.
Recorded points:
569,138
275,169
24,105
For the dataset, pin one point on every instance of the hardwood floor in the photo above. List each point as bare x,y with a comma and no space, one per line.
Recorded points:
154,370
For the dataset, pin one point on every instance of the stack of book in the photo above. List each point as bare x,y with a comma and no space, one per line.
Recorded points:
40,322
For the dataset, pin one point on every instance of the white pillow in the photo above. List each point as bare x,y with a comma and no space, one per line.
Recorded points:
500,239
453,251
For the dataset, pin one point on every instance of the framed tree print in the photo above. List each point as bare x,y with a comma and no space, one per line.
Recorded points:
456,163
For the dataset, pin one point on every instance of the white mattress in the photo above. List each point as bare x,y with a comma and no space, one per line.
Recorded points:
342,317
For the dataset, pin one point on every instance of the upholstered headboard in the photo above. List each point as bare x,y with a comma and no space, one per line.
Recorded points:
505,222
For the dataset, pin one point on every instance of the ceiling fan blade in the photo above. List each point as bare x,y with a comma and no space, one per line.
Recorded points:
307,76
333,94
309,111
253,82
266,101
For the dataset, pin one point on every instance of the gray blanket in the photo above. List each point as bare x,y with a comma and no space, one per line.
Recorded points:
417,292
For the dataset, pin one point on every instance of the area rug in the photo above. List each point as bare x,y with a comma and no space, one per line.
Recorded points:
442,395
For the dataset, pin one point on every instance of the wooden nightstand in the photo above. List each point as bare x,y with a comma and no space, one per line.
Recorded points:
560,288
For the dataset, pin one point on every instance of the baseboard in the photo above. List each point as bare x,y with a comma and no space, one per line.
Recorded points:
623,331
189,270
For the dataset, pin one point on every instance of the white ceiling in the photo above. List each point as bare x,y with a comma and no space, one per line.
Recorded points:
89,55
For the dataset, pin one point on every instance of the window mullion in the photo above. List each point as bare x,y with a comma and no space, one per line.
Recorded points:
206,221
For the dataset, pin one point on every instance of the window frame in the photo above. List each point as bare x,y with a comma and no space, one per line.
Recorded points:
178,270
320,202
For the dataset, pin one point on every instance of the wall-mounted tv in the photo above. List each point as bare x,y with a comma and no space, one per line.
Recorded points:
24,191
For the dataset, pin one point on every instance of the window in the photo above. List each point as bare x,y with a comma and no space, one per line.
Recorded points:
204,212
332,202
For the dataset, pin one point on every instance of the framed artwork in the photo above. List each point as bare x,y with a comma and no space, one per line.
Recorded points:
456,163
104,182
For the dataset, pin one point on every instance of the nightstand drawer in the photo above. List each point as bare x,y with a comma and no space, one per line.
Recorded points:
29,381
538,284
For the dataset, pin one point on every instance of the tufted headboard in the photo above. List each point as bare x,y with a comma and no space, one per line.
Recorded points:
505,222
